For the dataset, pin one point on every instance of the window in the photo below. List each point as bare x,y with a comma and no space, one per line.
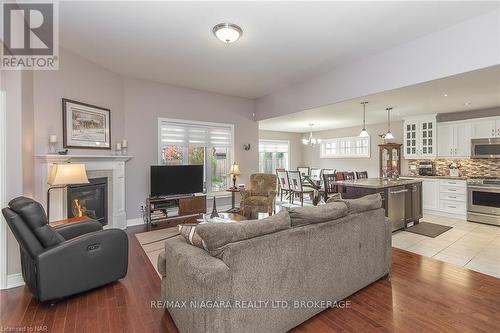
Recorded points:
273,154
352,147
189,142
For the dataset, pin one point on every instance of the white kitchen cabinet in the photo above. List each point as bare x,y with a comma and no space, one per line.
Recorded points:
453,139
420,137
485,127
430,194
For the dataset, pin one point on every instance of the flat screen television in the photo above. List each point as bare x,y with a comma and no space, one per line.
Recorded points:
176,179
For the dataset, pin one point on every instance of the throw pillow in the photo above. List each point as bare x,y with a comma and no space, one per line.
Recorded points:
334,197
188,231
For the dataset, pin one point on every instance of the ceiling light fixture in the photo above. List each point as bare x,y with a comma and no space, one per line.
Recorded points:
311,140
364,132
388,135
227,32
445,95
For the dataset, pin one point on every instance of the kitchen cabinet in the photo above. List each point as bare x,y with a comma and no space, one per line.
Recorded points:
420,137
430,194
453,139
485,127
446,197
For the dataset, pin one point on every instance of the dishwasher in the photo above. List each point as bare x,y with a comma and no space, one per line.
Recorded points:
396,206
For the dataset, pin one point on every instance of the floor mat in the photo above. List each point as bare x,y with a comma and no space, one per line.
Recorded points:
152,243
428,229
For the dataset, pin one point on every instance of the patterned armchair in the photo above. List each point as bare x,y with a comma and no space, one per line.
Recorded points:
260,195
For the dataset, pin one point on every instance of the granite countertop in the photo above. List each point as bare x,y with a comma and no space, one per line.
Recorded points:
377,182
437,177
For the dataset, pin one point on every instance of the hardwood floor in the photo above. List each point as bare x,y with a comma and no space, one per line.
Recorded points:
424,295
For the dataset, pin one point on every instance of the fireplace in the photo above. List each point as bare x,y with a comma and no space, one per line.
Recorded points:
89,200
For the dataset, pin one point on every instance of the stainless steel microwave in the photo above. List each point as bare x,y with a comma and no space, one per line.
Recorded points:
485,148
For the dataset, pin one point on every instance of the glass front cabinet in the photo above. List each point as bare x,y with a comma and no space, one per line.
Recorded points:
419,137
390,160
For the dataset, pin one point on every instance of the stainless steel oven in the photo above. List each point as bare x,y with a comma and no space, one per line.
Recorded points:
483,204
485,148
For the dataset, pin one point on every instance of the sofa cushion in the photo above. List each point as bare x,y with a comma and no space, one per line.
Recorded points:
34,216
189,232
216,235
368,202
317,214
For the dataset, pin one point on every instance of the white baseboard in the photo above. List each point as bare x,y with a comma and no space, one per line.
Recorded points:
15,280
136,221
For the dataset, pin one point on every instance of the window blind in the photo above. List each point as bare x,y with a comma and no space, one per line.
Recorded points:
269,146
186,134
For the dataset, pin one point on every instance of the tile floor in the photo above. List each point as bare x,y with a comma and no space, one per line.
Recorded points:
470,245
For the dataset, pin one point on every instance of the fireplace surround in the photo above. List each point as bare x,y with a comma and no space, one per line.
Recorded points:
98,166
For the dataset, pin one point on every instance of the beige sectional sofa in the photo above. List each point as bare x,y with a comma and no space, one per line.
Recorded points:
271,275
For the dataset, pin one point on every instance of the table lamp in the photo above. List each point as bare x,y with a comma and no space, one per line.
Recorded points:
235,171
62,175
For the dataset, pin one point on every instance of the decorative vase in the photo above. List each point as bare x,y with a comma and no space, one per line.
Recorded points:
214,211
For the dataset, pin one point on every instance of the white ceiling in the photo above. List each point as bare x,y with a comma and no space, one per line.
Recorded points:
480,88
282,42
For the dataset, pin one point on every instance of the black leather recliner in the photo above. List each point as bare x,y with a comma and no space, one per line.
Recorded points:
59,262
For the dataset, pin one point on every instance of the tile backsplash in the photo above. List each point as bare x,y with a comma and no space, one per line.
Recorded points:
468,167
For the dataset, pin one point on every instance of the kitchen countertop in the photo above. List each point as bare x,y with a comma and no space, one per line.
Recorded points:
376,182
437,177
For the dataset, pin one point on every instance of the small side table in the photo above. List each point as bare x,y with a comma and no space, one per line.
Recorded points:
233,209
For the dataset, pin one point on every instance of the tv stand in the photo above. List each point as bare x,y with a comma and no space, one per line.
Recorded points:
174,210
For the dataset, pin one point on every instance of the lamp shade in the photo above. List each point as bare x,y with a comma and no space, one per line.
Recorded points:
67,174
235,169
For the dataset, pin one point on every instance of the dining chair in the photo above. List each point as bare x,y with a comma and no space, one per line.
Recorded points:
304,171
329,186
349,176
284,184
296,186
362,175
316,174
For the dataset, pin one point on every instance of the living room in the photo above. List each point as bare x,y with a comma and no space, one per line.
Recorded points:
270,88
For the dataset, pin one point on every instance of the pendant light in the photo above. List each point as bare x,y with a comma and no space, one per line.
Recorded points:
364,132
388,135
312,141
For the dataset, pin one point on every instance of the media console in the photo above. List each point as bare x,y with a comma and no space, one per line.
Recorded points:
174,210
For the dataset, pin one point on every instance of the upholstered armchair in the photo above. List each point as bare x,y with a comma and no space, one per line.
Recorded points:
260,195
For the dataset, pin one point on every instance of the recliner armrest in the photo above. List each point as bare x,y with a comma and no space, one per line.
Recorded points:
73,230
82,263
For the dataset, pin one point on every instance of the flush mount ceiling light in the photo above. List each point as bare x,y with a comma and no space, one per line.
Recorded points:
364,132
227,32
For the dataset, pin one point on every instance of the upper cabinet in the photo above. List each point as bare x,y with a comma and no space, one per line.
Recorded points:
420,137
453,139
485,128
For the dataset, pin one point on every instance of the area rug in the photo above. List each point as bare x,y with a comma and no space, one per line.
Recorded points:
428,229
152,242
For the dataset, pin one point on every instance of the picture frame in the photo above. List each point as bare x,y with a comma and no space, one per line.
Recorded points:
85,126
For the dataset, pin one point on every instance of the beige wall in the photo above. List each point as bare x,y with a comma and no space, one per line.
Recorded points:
295,154
80,80
311,155
146,101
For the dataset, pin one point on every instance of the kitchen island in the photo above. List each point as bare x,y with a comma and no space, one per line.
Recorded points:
402,198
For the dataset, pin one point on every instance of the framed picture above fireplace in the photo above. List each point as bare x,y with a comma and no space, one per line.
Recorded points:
85,125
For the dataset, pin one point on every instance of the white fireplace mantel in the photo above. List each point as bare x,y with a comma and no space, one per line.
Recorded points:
113,165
